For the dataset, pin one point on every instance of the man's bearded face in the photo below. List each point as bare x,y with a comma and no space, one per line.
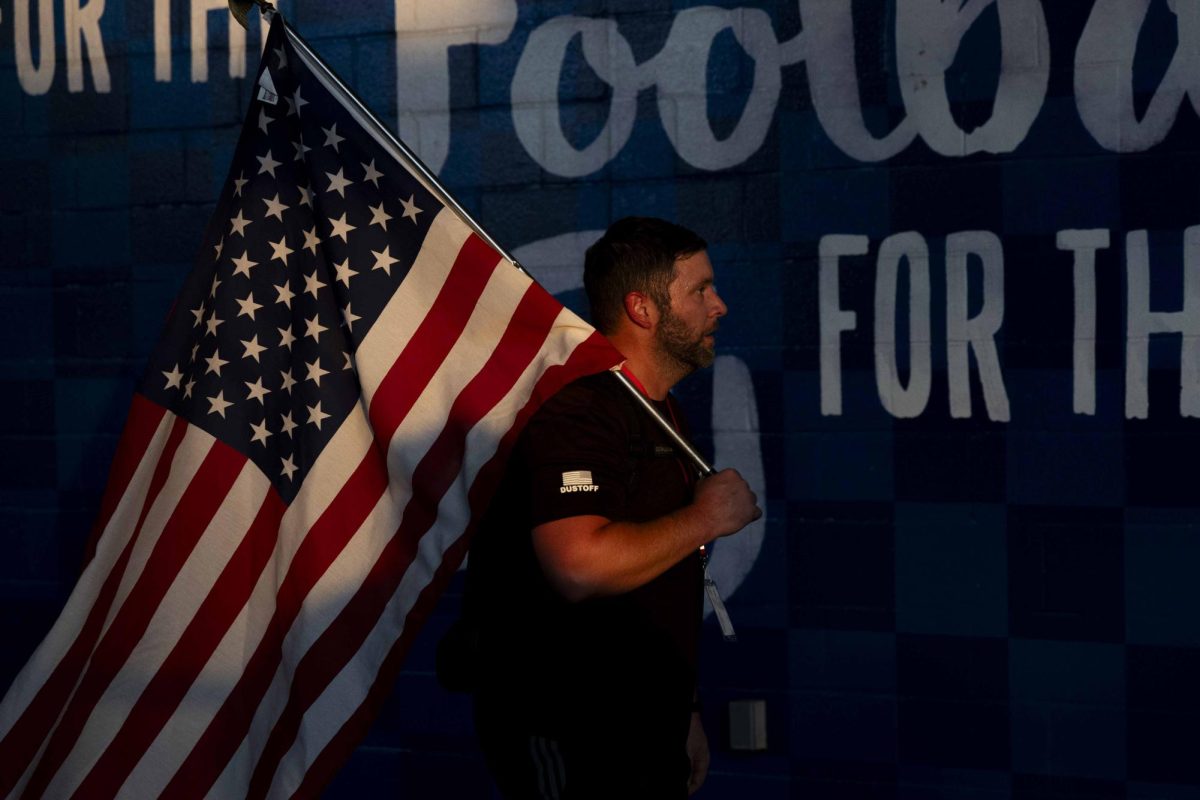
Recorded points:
688,315
691,345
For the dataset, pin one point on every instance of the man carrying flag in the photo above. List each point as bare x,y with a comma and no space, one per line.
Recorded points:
584,583
327,413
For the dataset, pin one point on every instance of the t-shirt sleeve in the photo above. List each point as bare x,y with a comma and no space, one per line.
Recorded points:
576,452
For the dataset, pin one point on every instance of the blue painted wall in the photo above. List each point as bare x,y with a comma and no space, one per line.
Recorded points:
976,583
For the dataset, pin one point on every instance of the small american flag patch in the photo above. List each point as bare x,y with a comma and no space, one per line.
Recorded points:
579,480
580,477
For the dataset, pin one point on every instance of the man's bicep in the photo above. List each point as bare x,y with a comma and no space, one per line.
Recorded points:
564,548
567,534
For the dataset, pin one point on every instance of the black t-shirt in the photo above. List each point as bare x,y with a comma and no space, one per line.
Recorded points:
630,658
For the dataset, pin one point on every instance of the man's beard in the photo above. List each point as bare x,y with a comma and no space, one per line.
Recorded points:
681,345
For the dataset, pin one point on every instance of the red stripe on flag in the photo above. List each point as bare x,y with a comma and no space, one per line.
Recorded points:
196,645
434,338
520,343
28,733
189,519
397,393
594,354
144,419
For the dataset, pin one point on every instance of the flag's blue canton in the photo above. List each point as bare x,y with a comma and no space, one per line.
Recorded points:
314,231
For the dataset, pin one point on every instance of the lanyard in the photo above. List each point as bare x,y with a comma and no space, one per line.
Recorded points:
710,586
688,478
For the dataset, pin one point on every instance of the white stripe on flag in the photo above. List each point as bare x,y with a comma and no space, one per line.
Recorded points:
192,449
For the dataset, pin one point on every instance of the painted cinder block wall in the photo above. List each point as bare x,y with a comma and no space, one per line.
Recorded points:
948,237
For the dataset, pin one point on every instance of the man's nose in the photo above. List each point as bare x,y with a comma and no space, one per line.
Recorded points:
718,308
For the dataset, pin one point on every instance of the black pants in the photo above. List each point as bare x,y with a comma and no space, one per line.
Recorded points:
605,756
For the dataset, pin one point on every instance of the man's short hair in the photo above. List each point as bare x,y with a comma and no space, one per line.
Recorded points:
635,254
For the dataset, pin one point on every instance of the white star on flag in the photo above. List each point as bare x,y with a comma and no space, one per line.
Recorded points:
253,348
349,317
280,251
285,295
373,175
260,432
174,376
311,240
218,404
267,165
238,224
315,372
331,137
286,338
383,259
257,391
238,183
313,328
214,322
340,227
289,380
379,216
288,466
288,425
215,362
344,273
248,306
275,208
316,416
295,103
244,264
410,209
338,182
312,284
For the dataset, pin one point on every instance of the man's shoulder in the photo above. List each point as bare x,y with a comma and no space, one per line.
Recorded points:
590,412
599,392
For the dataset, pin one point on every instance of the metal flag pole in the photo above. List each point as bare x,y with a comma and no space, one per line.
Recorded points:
401,152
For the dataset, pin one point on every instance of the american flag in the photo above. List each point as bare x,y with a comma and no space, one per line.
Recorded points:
323,420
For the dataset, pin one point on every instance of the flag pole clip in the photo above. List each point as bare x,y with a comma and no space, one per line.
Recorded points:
240,9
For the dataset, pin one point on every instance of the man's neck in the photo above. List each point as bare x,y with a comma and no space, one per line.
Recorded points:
655,376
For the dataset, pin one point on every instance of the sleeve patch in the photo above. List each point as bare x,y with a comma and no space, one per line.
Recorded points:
578,481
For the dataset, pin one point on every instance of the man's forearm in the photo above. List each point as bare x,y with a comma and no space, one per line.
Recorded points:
605,557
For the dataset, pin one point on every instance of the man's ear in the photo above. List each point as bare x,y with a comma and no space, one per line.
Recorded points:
640,310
